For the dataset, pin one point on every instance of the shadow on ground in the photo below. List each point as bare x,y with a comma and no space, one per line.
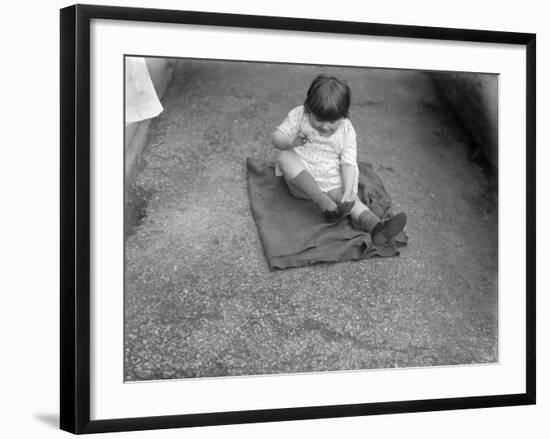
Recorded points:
49,419
199,297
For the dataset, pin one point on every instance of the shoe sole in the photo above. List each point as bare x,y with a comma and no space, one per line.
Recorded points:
395,225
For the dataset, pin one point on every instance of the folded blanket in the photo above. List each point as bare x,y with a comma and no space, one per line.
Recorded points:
293,231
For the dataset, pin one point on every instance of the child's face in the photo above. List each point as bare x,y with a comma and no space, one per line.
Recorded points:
323,127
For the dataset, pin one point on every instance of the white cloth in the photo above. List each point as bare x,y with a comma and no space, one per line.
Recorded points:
142,101
322,156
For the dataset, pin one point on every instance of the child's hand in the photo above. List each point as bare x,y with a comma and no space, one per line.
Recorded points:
347,197
300,139
347,202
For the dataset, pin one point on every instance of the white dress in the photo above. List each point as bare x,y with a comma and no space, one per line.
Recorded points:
322,156
142,101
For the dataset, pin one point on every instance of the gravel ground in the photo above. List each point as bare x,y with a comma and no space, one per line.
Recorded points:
200,300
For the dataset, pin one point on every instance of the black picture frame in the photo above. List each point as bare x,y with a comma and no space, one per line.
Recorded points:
75,217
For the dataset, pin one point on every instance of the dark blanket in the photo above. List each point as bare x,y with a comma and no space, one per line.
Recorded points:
293,231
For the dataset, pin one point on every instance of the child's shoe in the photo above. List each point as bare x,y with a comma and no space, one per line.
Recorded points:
388,228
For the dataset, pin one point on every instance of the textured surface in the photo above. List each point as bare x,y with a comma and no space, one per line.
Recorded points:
200,299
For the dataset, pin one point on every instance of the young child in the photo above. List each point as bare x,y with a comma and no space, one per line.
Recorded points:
319,158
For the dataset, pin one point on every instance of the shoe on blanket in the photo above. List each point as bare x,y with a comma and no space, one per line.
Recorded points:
343,210
388,228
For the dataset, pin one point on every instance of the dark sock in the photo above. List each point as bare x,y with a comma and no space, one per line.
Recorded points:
368,220
305,182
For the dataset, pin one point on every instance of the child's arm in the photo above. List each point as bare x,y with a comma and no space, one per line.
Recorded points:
348,179
348,163
283,141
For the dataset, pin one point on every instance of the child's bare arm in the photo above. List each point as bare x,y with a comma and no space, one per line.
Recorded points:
348,178
282,141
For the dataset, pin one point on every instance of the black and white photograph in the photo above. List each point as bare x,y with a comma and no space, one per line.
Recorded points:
275,219
295,218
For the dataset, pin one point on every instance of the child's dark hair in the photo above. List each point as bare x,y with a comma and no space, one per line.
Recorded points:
328,98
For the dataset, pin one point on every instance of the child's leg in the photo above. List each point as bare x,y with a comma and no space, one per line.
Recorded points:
381,231
359,210
295,174
294,190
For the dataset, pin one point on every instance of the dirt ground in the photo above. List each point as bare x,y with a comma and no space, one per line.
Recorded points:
200,299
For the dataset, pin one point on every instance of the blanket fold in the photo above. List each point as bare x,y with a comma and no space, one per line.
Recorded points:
293,231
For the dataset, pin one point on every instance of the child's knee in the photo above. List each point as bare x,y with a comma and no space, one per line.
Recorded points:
285,157
288,162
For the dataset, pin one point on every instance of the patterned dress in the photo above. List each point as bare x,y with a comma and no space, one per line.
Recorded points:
322,156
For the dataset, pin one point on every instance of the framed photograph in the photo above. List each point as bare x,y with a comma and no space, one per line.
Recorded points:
279,218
